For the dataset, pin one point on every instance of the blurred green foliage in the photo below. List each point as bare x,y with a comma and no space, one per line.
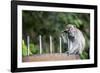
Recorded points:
32,49
45,23
84,55
24,49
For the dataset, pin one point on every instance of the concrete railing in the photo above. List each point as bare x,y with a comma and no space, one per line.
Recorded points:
41,44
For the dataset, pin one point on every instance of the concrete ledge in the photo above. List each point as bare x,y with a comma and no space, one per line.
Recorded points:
50,57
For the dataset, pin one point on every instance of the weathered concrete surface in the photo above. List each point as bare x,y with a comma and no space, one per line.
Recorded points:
50,57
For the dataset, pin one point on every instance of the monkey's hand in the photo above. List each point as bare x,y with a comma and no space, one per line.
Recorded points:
76,52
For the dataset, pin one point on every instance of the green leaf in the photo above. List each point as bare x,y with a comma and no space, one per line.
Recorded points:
24,49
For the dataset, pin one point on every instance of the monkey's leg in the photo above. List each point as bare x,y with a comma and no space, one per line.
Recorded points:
67,52
76,52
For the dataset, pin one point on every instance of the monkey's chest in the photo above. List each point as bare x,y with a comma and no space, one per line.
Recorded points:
73,44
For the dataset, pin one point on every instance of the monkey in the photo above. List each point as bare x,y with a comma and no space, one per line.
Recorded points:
74,40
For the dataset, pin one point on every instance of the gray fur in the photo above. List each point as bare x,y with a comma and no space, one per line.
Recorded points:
74,39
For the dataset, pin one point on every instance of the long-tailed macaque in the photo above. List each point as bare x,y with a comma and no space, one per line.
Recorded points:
74,40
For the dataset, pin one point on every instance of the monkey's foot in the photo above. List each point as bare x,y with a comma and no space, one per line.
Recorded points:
73,53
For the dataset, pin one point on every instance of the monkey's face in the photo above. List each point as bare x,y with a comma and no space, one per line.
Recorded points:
70,30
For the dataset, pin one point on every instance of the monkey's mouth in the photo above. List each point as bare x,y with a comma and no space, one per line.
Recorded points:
69,34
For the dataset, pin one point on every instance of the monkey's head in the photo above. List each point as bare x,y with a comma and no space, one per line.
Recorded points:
68,33
70,30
